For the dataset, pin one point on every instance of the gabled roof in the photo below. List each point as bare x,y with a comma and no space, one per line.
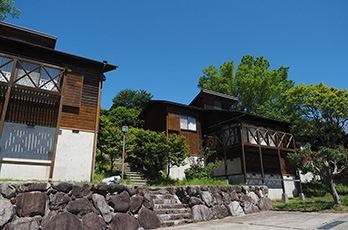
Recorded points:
28,35
33,44
206,92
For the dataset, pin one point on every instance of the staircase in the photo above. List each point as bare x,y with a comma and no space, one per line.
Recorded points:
169,210
135,177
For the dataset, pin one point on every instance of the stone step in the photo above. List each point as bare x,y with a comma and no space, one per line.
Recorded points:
172,211
164,201
179,216
167,223
167,206
162,196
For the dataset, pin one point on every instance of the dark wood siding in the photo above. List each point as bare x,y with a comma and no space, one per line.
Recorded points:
84,117
73,90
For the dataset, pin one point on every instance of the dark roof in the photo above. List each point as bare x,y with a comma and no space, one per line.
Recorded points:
28,35
29,43
212,93
234,113
152,102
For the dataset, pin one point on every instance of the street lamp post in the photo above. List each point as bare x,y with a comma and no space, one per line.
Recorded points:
124,130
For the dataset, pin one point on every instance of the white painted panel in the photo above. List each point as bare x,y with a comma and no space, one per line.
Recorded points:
20,141
24,172
74,156
179,172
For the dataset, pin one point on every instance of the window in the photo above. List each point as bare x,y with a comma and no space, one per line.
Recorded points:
188,123
217,104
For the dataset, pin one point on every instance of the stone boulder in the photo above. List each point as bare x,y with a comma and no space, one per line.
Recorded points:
148,219
207,198
141,190
92,221
58,201
61,221
254,197
131,189
217,199
220,210
101,205
81,190
226,198
148,201
249,207
235,208
195,201
193,190
122,221
265,204
63,187
7,211
234,196
8,189
27,223
201,212
135,203
34,186
101,189
215,189
31,204
120,203
118,188
80,207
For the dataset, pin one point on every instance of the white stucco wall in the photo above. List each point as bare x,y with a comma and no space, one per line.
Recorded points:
23,143
74,156
179,172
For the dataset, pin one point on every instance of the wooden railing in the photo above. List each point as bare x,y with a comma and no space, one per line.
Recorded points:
235,134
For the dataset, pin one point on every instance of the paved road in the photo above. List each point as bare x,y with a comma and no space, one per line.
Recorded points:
273,220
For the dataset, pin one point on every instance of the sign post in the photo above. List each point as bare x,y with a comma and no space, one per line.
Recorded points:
124,130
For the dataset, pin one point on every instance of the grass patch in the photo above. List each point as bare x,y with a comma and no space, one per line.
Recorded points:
324,203
176,182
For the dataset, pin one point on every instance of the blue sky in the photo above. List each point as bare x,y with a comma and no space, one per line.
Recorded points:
162,46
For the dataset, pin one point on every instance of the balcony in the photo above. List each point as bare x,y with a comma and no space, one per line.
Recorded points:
231,135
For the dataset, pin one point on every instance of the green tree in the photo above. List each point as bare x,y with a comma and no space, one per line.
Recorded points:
326,162
320,117
110,143
258,89
319,114
150,150
177,152
121,116
135,99
154,152
8,7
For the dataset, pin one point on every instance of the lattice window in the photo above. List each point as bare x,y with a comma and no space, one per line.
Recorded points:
37,76
5,69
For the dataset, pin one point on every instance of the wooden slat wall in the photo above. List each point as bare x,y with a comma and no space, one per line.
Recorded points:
73,90
84,117
34,108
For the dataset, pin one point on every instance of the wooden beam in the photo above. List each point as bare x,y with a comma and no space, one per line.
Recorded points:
261,162
7,98
281,170
24,163
57,129
244,164
96,127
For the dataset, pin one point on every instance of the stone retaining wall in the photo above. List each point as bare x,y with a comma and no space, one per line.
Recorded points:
32,205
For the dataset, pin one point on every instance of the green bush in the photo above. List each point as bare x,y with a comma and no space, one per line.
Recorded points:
342,189
314,189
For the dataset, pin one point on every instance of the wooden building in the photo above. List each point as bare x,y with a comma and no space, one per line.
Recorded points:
49,108
252,149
